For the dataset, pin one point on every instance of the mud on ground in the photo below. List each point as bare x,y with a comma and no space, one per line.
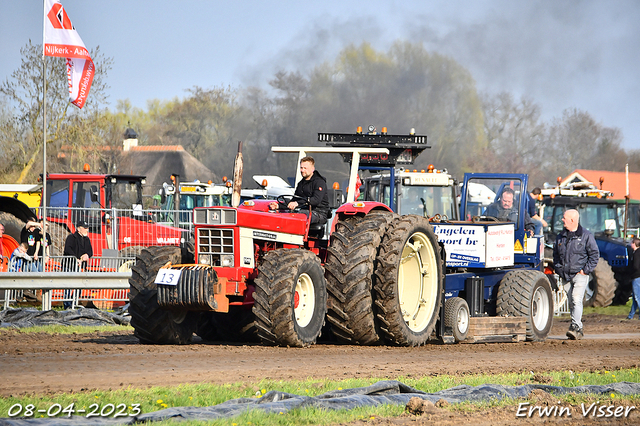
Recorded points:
45,364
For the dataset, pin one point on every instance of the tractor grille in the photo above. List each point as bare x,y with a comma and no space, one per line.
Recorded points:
195,290
215,241
214,216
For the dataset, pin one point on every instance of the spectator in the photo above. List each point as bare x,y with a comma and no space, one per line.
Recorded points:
575,256
539,222
31,234
635,276
77,245
20,260
43,249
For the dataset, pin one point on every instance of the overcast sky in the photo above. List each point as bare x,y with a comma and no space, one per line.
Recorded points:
561,54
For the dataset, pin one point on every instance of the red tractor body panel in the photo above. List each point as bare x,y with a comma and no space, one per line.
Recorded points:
91,197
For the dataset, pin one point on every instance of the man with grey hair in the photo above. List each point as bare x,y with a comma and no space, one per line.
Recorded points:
575,256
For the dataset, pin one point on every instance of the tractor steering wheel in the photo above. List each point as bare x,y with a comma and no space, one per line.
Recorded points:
476,219
284,200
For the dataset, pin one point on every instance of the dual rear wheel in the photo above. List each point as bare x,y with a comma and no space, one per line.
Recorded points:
385,280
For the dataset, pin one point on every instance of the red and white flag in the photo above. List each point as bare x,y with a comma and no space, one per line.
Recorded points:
62,40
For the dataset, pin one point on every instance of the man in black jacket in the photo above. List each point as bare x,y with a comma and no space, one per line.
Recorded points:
575,256
312,188
78,245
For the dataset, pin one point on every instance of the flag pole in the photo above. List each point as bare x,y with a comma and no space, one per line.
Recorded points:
44,137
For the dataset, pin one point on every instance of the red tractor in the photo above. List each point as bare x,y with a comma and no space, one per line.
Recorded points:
273,276
112,206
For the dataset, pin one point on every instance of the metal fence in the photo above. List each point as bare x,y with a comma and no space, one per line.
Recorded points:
122,231
560,302
78,281
71,264
117,236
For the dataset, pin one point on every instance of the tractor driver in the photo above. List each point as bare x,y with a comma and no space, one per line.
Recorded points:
313,188
503,209
506,210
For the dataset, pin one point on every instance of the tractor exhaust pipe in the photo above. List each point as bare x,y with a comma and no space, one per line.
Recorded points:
237,177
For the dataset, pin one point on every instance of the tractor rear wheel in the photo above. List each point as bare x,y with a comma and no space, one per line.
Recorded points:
349,271
290,298
527,294
409,280
12,225
458,317
151,323
59,234
602,286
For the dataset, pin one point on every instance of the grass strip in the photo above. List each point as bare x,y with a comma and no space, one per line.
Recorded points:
204,395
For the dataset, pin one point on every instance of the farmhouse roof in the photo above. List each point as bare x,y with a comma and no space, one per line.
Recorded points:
158,162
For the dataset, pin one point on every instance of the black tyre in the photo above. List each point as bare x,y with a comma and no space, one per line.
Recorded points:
131,251
59,234
409,281
151,323
12,225
527,294
602,286
290,298
349,272
624,289
458,317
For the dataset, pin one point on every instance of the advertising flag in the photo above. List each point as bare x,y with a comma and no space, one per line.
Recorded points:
62,40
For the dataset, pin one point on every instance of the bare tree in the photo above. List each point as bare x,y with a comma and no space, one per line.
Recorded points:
24,93
515,136
577,141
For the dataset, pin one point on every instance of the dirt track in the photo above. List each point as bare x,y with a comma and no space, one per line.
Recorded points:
38,363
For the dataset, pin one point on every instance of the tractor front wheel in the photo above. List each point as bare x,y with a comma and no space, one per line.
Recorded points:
527,294
290,298
602,286
151,323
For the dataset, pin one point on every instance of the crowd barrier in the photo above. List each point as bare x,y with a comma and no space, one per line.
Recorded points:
102,280
117,236
126,231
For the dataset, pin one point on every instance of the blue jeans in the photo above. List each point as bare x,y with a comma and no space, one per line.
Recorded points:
635,297
575,291
538,226
68,294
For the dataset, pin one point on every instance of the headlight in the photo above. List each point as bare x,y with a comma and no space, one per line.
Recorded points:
226,260
204,259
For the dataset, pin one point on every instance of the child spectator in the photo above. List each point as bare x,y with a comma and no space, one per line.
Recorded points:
20,260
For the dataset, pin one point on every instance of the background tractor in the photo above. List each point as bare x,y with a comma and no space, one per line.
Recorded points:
604,217
111,204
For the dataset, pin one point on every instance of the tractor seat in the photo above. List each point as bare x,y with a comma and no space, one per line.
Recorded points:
316,230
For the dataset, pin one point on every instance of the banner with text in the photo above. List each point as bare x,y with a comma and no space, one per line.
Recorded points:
478,245
62,40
